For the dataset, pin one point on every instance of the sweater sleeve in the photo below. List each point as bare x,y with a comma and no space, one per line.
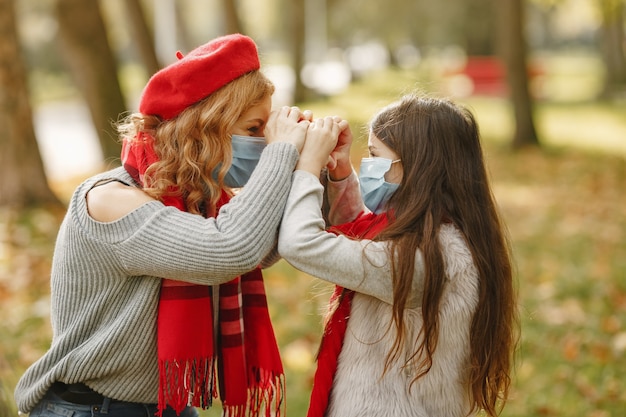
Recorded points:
344,198
360,265
162,241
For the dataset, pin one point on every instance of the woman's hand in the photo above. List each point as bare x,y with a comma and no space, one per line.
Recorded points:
289,125
340,165
321,139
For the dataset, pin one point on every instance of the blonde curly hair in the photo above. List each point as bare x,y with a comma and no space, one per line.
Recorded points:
195,145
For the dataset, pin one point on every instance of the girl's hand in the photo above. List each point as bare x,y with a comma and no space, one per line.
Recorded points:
321,139
287,125
340,165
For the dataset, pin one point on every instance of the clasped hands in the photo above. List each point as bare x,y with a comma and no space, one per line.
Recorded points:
322,142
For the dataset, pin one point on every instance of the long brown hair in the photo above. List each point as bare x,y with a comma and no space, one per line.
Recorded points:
445,181
195,145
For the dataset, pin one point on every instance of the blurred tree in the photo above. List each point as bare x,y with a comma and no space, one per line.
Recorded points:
232,20
22,177
91,61
297,35
479,26
513,49
142,35
182,28
422,23
293,31
613,46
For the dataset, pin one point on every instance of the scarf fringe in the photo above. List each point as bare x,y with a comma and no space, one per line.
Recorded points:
184,383
266,398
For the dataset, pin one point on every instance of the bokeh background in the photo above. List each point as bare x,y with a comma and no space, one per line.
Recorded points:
545,78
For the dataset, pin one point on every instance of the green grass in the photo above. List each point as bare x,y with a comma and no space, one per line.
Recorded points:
566,215
565,206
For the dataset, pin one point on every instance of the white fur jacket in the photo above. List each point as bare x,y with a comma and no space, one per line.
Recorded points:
361,388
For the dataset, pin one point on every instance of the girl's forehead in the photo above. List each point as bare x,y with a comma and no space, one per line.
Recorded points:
372,140
374,143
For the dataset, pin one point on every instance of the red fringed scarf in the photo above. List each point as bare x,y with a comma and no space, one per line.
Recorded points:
366,226
247,363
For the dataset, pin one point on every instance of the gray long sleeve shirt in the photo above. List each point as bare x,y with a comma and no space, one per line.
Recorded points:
106,278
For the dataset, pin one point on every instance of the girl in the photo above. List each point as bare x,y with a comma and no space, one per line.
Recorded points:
422,320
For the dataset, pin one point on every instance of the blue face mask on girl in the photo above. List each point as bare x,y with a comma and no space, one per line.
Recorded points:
246,154
375,191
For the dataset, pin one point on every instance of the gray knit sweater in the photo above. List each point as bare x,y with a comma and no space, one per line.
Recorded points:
106,279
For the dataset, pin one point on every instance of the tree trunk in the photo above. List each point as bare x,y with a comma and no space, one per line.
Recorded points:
143,36
513,49
613,45
92,63
233,23
297,34
479,27
22,177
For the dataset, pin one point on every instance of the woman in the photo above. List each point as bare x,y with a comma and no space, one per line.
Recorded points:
423,315
153,292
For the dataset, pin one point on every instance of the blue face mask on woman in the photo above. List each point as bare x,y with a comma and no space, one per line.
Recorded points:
375,191
246,154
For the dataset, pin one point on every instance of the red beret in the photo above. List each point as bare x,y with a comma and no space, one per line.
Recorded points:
198,74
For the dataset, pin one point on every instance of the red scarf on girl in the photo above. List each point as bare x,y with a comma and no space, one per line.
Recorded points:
366,226
247,364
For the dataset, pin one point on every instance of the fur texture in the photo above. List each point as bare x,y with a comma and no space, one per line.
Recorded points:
361,388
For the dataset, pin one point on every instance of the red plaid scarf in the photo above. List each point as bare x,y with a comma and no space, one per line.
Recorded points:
247,363
366,226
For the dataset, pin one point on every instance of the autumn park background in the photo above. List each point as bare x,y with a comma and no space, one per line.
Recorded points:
545,78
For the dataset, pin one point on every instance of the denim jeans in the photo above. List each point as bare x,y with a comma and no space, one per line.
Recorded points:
53,406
